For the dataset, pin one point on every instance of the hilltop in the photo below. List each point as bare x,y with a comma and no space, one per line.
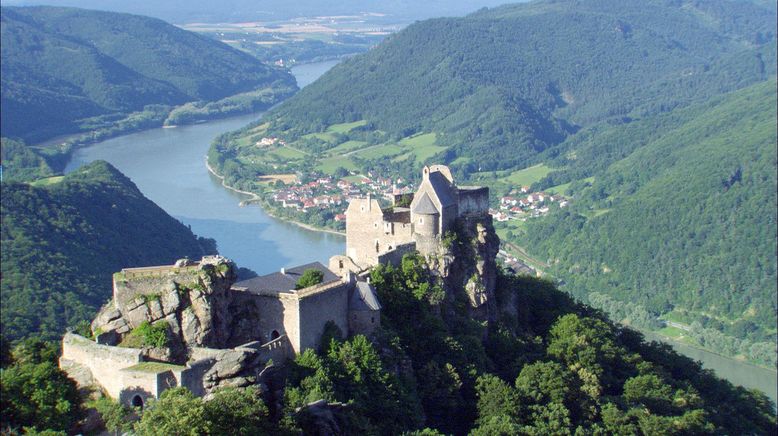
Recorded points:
64,237
66,70
500,86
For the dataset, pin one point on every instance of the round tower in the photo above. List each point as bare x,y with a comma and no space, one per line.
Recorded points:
426,223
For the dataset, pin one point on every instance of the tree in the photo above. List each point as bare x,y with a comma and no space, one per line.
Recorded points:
495,399
114,415
309,277
650,391
38,395
177,412
237,411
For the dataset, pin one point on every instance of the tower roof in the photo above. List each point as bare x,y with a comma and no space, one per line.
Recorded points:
364,297
425,206
442,187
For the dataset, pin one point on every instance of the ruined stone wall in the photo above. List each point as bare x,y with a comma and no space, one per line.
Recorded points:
370,232
192,377
278,350
395,256
103,361
363,322
364,222
330,303
131,283
427,245
473,201
145,384
281,313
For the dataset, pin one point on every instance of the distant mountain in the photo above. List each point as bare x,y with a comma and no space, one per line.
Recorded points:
63,239
502,85
62,66
187,11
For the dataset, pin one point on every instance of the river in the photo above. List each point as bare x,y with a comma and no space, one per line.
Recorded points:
168,165
737,372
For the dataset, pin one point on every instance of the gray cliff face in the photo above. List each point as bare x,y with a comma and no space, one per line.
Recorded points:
208,327
467,265
193,301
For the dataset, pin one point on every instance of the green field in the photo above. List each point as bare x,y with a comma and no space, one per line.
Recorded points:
48,181
346,127
346,147
386,150
528,176
503,227
420,139
330,164
558,189
324,136
287,153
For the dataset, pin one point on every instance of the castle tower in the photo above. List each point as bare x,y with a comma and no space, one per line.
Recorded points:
426,217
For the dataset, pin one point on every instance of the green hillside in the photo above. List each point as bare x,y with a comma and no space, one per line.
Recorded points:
687,221
63,240
501,85
62,67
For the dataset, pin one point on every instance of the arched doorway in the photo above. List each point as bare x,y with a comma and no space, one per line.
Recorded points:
275,335
137,401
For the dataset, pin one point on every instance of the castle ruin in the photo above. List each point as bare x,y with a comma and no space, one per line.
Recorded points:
222,332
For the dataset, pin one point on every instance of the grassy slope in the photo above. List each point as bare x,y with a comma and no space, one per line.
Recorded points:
501,106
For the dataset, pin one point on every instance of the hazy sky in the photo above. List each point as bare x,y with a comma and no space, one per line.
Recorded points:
186,11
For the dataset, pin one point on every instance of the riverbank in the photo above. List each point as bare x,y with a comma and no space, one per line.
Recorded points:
59,150
257,199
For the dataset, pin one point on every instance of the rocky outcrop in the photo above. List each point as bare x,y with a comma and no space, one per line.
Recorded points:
191,299
466,264
322,419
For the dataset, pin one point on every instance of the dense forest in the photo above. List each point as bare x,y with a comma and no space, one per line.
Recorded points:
546,365
685,223
66,70
498,107
63,240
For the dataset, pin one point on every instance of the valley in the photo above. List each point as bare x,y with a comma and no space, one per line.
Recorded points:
551,217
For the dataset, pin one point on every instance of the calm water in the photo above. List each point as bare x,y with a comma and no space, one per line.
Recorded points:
736,372
168,166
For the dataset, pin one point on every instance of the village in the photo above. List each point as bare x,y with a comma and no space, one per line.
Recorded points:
327,196
525,204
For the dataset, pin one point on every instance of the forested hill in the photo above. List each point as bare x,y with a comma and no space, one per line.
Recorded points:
686,223
63,239
61,66
501,85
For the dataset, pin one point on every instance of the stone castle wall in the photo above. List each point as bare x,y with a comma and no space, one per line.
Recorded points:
370,233
395,256
135,282
104,362
330,303
473,201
